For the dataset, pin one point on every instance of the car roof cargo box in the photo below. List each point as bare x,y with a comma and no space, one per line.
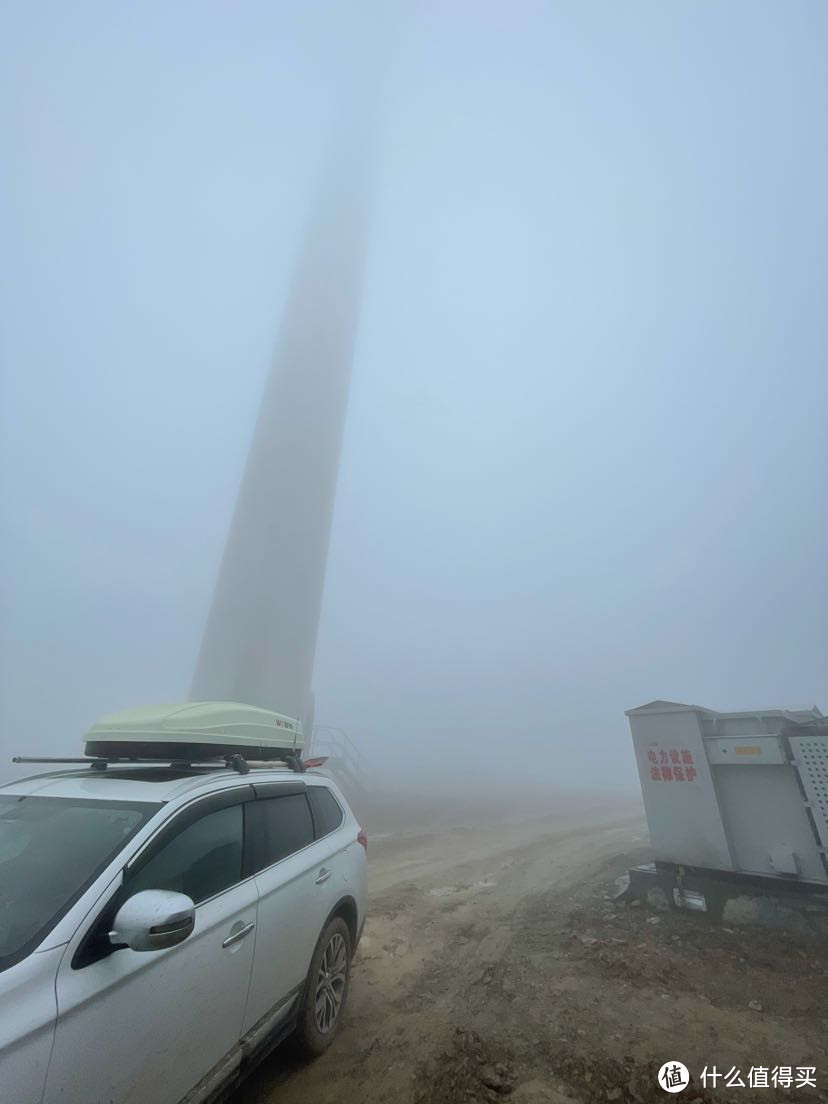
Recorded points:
193,731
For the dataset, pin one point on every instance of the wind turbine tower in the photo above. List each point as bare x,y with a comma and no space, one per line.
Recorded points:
260,637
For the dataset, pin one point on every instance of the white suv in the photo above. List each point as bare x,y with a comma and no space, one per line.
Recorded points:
163,928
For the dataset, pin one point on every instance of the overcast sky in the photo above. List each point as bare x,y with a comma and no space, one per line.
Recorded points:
585,458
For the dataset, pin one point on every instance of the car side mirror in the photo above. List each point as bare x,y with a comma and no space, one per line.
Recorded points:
153,920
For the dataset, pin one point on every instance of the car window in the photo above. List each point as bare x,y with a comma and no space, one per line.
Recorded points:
202,860
51,849
280,826
327,811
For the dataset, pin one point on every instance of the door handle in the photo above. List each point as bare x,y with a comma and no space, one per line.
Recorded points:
235,936
323,876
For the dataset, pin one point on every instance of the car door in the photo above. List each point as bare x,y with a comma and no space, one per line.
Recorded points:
298,888
135,1027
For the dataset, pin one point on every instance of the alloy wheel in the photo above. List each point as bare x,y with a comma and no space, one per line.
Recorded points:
330,983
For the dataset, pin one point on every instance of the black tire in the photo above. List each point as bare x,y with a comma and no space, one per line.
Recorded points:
319,1004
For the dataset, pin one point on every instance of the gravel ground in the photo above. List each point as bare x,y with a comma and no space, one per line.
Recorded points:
496,967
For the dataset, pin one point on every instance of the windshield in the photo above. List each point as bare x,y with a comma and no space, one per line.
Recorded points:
51,849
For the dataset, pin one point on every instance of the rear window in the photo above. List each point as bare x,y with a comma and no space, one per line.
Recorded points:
278,827
327,812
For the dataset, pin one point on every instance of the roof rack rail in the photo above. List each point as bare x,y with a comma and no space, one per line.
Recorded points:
234,762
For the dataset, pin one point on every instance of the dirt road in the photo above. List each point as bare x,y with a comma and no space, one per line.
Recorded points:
494,967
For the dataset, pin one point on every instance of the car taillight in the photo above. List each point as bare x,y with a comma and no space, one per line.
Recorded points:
362,837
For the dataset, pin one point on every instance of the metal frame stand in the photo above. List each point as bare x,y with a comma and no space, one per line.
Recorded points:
771,902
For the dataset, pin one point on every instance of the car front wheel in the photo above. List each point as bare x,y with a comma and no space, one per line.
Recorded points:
326,991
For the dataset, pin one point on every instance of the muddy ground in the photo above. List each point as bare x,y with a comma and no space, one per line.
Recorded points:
496,966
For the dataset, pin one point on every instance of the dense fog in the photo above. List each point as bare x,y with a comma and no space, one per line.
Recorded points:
584,456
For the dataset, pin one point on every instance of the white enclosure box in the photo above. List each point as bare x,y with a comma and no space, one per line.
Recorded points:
744,792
